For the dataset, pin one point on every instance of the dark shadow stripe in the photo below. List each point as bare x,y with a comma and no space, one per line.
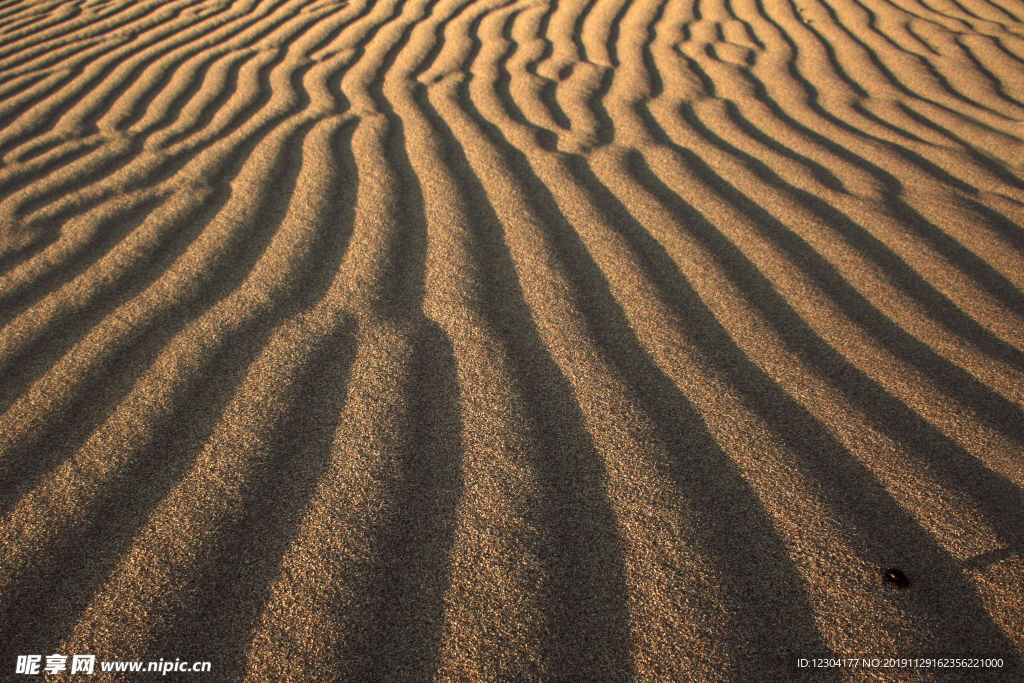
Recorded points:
585,597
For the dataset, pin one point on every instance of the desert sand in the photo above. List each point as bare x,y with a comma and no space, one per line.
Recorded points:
512,340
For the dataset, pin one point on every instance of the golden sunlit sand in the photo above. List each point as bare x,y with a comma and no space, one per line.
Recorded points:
512,340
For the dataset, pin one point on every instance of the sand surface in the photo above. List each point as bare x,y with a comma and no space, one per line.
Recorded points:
512,340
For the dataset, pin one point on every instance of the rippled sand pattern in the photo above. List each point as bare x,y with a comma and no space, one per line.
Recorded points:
512,340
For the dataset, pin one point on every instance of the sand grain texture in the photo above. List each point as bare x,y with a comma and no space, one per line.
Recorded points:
512,340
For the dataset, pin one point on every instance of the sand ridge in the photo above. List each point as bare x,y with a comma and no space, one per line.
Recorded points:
598,340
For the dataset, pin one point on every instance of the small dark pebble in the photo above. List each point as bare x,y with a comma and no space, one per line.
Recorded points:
896,578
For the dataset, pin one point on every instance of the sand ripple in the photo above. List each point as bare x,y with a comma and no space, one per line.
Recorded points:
512,340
